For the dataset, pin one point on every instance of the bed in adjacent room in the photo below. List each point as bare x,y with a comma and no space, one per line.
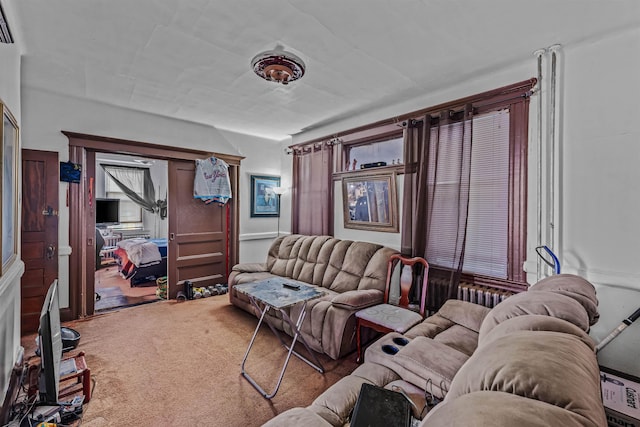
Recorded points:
142,260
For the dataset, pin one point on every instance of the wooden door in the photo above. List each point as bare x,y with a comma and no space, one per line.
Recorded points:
198,233
40,181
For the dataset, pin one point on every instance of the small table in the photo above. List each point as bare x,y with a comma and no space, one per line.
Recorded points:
78,371
271,293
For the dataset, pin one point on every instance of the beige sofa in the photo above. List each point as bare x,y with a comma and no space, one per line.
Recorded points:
527,362
352,275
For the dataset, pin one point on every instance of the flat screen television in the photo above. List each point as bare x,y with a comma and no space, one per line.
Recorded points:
107,211
50,346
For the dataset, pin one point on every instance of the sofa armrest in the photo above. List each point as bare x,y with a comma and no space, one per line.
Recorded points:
254,267
464,313
356,300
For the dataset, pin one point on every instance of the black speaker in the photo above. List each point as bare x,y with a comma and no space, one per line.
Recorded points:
372,165
188,289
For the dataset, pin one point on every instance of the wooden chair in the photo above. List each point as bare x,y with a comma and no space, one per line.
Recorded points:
388,317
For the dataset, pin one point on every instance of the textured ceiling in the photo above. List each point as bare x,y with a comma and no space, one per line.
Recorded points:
190,59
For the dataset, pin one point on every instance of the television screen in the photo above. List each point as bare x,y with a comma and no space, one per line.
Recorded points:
50,343
107,211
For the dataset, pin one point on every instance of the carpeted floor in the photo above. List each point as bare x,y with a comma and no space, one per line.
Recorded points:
178,364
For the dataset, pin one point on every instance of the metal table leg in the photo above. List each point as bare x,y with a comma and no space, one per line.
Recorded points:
296,329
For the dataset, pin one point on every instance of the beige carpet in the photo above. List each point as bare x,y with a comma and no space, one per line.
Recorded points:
178,364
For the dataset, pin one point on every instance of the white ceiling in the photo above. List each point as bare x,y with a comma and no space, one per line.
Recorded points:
190,59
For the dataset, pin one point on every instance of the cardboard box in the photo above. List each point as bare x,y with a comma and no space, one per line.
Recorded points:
621,398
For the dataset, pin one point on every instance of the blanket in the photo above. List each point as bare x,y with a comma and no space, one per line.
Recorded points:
140,251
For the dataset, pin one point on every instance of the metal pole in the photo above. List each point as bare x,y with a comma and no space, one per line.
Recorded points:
552,142
538,53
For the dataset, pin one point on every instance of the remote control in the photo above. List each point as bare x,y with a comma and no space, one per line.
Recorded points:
291,286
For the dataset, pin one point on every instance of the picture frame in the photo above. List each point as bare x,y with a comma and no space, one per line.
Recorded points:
9,150
264,201
370,202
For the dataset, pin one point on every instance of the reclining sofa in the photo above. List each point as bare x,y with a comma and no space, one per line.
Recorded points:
529,362
352,275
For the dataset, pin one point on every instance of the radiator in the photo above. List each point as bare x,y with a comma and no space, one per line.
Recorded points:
135,234
482,295
111,240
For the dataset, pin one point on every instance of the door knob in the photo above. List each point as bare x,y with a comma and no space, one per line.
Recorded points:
51,251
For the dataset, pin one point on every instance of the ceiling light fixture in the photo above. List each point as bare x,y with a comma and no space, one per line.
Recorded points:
278,66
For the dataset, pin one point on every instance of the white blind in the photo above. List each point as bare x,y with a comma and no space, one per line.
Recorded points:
445,204
487,221
487,227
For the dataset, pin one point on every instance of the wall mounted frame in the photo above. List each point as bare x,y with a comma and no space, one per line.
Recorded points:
264,201
370,202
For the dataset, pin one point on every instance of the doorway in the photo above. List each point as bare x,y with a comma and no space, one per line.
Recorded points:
120,222
203,255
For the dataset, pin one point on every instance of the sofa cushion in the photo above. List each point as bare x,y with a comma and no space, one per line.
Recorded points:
459,338
356,300
391,317
464,313
357,265
422,360
501,409
429,327
536,322
297,417
312,258
337,402
303,258
540,302
551,367
575,287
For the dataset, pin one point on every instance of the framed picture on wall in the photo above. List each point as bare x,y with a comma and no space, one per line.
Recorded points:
9,208
369,202
264,200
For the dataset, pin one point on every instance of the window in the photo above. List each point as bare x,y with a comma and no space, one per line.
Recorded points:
486,250
130,213
470,186
381,153
378,146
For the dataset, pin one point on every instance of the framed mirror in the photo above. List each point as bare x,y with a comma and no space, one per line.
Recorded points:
9,178
370,202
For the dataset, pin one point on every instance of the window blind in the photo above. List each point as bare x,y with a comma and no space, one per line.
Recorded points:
487,227
487,221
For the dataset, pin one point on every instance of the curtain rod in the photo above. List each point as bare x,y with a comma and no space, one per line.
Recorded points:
523,86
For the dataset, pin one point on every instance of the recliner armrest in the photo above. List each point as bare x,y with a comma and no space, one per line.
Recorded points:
254,267
464,313
356,300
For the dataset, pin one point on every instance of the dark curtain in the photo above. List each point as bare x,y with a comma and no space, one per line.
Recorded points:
436,193
125,179
312,199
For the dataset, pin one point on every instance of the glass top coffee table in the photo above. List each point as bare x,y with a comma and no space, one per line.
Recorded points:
279,294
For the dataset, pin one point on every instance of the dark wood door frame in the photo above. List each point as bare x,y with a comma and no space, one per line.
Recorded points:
82,150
